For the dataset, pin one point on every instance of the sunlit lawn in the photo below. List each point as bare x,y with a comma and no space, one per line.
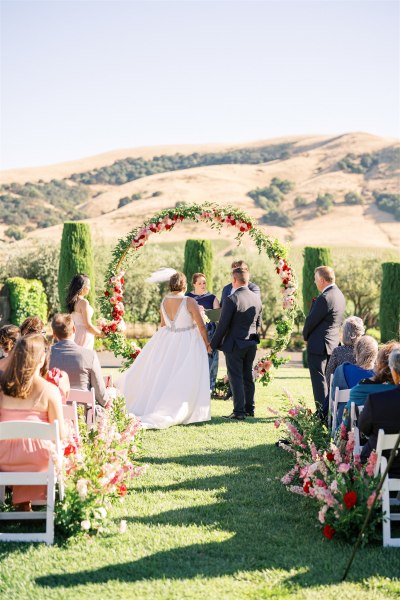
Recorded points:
210,519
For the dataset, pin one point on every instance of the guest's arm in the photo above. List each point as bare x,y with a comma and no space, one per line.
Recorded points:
365,422
227,312
55,410
332,364
317,314
97,381
216,303
194,310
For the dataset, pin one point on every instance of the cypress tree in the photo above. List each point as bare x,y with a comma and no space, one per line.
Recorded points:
389,309
313,258
76,256
198,259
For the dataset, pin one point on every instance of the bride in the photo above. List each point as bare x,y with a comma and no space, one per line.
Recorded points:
168,384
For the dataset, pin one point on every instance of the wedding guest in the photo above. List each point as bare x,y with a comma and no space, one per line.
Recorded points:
228,289
26,396
321,330
33,324
206,300
381,381
81,311
382,411
9,334
236,335
353,329
348,375
81,364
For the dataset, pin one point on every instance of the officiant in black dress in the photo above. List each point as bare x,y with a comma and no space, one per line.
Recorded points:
206,300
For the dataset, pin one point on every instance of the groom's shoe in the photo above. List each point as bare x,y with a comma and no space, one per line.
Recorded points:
250,414
234,417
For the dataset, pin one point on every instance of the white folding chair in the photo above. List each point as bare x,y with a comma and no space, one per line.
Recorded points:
87,398
331,395
341,397
354,428
391,484
12,430
70,413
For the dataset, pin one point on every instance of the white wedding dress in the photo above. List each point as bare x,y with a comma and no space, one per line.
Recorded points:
168,384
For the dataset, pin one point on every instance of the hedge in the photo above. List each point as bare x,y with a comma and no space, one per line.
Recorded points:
389,310
27,298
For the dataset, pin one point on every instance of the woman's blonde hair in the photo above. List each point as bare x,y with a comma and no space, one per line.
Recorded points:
178,282
17,378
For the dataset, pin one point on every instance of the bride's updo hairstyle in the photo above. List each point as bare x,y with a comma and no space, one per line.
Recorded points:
17,378
178,282
77,284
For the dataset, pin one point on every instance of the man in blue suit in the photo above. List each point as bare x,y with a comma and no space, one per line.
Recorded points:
228,289
321,330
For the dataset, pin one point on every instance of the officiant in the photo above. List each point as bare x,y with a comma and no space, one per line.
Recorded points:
206,301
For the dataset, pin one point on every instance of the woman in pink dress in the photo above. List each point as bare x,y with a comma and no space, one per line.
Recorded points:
26,396
81,311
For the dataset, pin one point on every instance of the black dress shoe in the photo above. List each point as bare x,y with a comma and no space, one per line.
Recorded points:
249,414
234,417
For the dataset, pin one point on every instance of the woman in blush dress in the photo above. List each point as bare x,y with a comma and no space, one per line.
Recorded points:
26,396
168,384
81,311
206,300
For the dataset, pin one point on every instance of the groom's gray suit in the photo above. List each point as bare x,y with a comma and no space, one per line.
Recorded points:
236,335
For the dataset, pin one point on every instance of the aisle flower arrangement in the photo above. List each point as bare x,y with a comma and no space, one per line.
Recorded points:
217,216
330,474
97,469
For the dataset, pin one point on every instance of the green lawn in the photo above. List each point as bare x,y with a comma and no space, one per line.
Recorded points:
210,519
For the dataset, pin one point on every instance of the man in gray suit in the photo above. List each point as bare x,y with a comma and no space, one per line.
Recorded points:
236,335
81,364
321,330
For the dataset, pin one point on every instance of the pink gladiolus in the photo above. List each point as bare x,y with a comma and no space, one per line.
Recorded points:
322,513
344,468
371,500
293,412
277,424
370,468
272,410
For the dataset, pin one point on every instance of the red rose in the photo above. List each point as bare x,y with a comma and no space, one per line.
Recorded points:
106,293
350,499
168,227
329,532
330,456
122,280
122,489
113,327
70,449
306,486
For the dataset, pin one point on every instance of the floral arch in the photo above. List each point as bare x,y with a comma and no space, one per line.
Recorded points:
217,216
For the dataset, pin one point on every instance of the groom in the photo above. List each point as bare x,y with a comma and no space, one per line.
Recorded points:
236,335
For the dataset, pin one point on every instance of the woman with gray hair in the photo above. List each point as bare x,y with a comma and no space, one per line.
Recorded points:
353,329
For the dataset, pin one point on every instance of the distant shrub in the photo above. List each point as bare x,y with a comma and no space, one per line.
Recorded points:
389,203
300,202
284,185
155,194
324,202
277,217
15,233
136,196
269,198
362,163
27,298
352,198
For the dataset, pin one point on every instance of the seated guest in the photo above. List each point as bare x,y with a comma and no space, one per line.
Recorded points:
382,411
227,290
81,364
33,325
9,335
348,375
353,329
381,381
26,396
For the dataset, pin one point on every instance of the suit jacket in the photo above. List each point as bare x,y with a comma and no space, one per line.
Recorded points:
321,327
82,366
381,411
227,291
239,320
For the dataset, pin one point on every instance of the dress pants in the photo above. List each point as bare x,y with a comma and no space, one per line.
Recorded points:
317,365
239,364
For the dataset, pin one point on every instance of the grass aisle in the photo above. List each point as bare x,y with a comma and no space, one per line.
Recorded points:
210,519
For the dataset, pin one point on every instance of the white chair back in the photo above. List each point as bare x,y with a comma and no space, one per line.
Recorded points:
354,427
70,413
331,396
341,397
11,430
87,398
391,484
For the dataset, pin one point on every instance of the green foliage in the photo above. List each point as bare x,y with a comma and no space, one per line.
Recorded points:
128,199
300,202
389,311
198,259
269,198
313,258
76,256
360,281
27,298
324,203
284,185
353,198
14,232
362,163
130,169
277,217
389,203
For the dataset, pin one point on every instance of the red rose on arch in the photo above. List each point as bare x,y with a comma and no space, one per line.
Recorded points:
306,486
122,490
350,499
330,456
106,293
329,532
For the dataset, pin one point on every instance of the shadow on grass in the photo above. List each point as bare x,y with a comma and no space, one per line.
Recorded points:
270,529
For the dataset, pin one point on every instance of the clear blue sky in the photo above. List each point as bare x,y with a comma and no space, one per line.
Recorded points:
80,77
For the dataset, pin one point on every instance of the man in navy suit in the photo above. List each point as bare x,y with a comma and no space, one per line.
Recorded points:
228,289
321,330
236,335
